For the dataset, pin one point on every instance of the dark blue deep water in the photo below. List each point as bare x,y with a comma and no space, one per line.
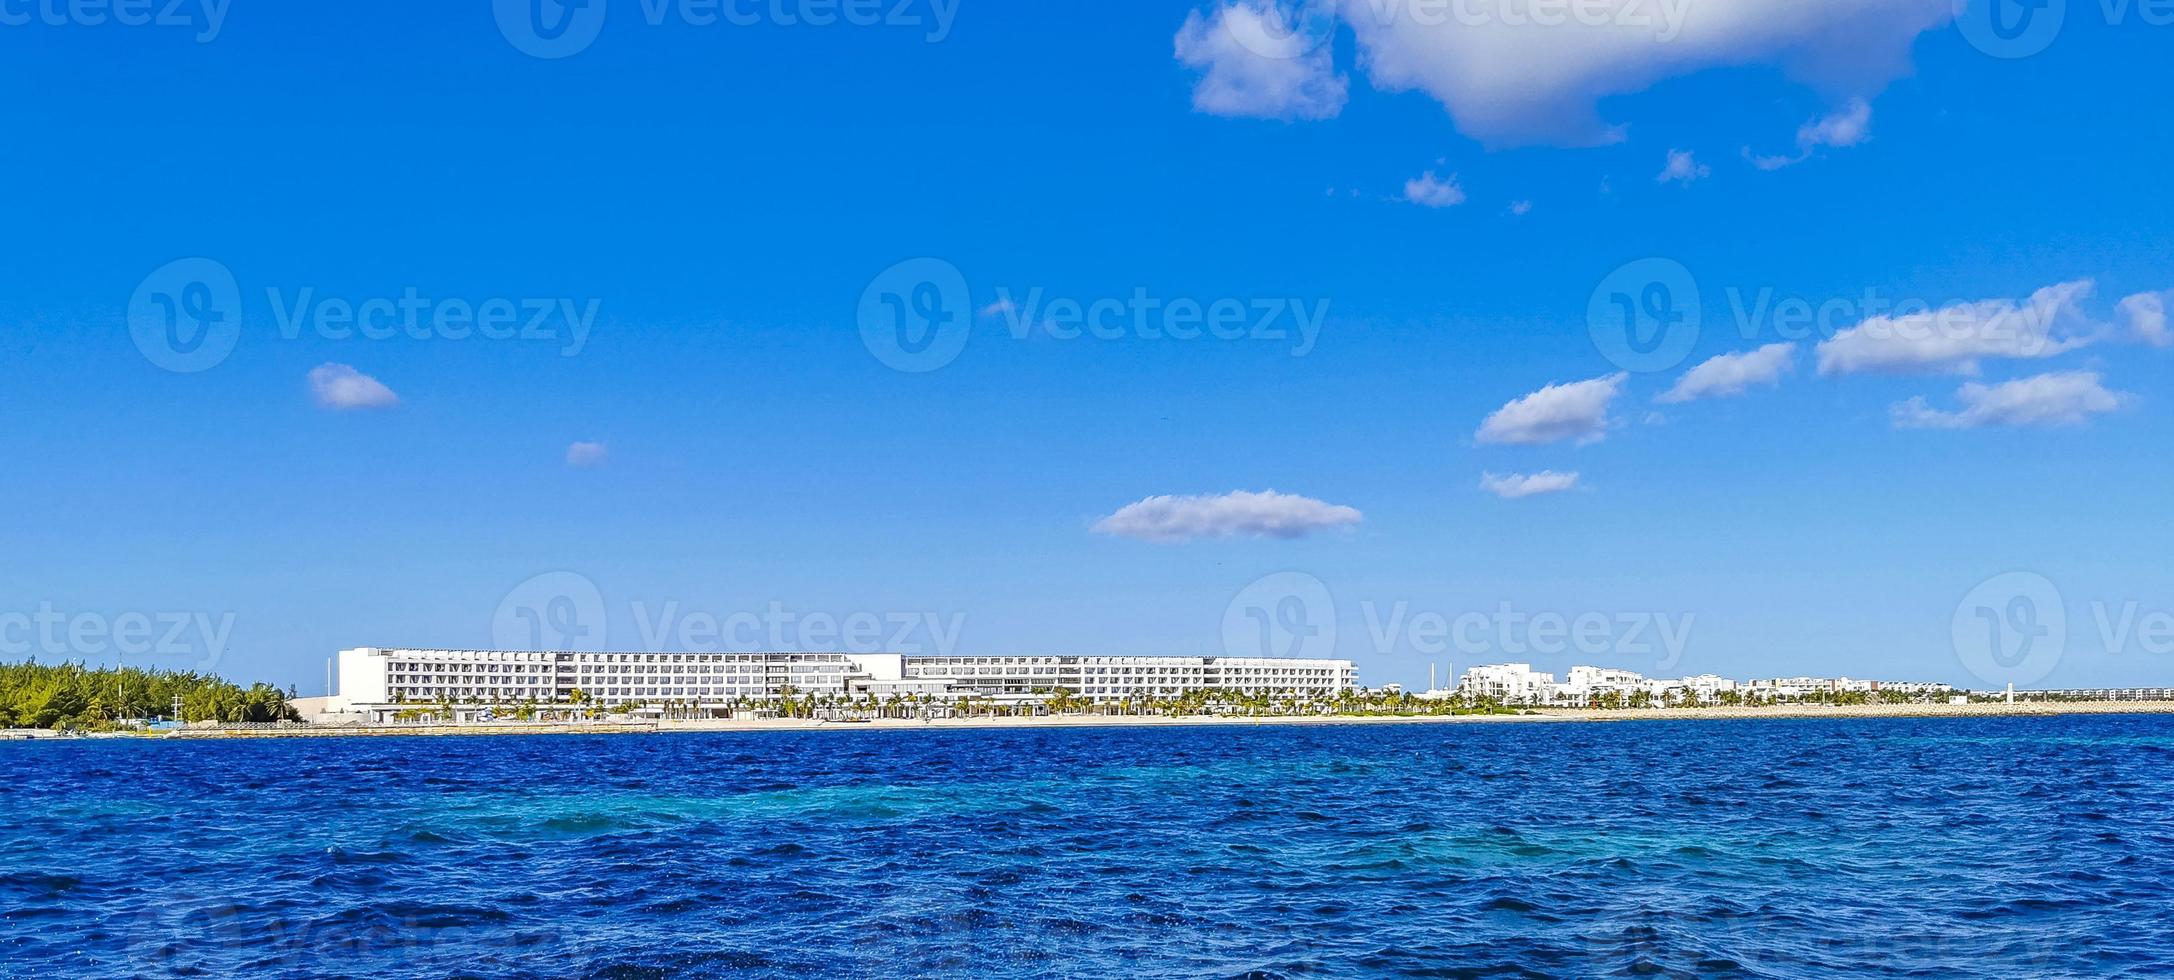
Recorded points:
1993,848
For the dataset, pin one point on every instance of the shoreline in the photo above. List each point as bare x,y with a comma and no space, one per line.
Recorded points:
1539,715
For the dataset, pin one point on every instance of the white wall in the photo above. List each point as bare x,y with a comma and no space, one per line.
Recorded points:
882,666
361,674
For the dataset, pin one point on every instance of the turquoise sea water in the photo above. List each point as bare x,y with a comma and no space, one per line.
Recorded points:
1983,847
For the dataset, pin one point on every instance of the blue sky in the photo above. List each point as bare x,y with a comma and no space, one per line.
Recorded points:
725,195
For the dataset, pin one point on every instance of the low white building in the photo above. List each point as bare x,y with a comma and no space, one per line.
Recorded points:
1913,687
380,682
1788,688
1705,688
1510,683
1586,684
1118,678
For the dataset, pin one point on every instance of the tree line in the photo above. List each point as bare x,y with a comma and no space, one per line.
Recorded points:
71,695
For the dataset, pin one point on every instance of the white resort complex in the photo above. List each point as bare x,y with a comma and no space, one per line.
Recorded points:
1521,685
380,683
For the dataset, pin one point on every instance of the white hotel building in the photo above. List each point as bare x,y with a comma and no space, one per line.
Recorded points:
379,682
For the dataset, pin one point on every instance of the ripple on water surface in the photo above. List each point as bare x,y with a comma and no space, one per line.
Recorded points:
1974,847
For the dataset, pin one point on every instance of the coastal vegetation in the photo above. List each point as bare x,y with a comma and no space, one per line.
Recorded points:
1060,701
73,696
792,703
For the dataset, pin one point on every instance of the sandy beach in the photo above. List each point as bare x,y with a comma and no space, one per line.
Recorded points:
2044,709
1540,715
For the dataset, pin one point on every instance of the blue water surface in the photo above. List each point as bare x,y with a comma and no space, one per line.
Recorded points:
1892,847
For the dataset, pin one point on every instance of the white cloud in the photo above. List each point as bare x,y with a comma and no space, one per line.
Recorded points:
2145,316
586,455
1517,485
1954,339
1002,307
1427,190
1847,126
1578,410
1520,208
1534,71
1256,59
2061,398
342,388
1732,374
1237,514
1682,168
